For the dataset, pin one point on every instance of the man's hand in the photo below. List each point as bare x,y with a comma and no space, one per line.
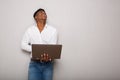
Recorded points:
45,57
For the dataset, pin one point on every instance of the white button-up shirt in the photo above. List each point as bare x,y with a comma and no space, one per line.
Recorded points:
34,36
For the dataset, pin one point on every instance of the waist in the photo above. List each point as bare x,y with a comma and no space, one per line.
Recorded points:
32,59
41,61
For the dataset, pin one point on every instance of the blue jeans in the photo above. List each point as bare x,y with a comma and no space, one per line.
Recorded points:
40,71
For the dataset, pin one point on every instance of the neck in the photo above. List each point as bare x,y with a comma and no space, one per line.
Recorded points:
41,24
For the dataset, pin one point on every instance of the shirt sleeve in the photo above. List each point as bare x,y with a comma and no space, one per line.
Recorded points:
54,37
25,45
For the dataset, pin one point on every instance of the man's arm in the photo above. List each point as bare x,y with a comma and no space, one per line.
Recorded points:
45,57
54,38
25,45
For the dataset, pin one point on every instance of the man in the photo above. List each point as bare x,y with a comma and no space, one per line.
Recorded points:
40,33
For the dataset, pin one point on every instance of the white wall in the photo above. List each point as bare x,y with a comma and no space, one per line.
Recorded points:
88,29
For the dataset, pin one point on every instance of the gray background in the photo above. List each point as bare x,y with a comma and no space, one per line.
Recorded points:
88,29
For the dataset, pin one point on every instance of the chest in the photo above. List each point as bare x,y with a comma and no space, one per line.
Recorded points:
40,37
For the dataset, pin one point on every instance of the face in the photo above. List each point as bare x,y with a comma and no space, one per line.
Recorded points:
41,15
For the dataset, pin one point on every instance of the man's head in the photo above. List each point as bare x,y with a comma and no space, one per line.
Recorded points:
40,14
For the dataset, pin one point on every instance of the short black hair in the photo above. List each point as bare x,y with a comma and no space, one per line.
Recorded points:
40,9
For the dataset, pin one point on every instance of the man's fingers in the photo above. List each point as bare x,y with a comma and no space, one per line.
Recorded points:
50,59
46,57
41,56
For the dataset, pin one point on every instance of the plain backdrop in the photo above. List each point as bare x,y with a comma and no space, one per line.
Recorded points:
89,31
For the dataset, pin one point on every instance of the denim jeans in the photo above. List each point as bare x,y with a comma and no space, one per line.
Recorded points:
40,70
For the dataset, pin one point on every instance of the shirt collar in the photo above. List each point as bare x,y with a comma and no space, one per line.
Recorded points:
44,26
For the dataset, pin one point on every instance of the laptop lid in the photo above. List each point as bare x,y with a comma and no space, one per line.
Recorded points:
53,50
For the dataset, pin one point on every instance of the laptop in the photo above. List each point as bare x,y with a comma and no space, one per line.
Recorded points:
53,50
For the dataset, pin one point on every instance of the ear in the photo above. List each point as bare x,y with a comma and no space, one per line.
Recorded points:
35,17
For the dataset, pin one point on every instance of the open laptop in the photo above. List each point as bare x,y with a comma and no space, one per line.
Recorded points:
53,50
